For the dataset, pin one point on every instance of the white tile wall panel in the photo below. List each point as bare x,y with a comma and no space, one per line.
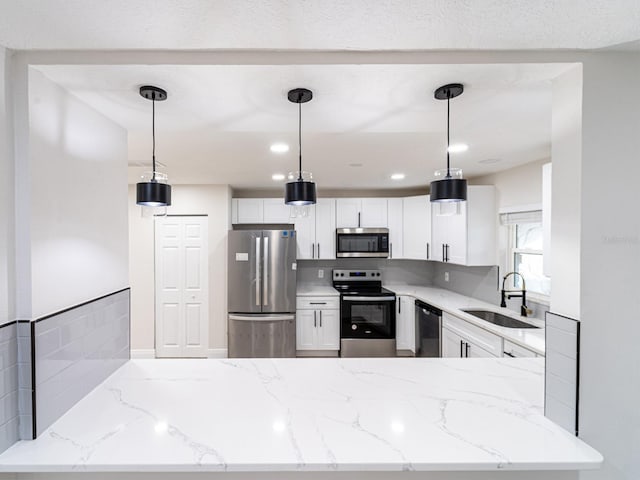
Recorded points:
562,365
75,351
9,415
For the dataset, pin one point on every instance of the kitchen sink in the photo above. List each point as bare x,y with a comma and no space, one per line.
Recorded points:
499,319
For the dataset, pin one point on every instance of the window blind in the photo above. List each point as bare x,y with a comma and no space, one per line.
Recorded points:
511,218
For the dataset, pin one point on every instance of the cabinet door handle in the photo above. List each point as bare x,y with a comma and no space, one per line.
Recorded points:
399,306
318,249
358,219
427,250
317,303
314,319
509,355
461,356
467,347
391,250
313,250
321,318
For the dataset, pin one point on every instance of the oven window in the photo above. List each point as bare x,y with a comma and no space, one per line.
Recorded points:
374,315
358,243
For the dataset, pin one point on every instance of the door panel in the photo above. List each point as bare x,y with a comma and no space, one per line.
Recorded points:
182,277
306,234
306,330
451,346
328,330
374,213
244,260
325,228
278,271
347,210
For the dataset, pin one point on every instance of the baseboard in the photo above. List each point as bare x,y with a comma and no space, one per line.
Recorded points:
146,353
217,353
143,353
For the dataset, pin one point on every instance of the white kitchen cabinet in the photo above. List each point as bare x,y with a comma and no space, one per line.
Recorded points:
465,232
416,225
361,212
462,339
405,323
249,210
316,233
395,223
510,349
318,325
276,211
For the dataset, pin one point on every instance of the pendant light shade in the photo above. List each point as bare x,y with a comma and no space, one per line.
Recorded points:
153,191
301,191
449,185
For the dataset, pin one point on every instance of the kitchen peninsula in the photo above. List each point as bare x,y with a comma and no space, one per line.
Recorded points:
310,418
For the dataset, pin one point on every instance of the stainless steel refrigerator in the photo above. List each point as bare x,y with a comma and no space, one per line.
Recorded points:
262,293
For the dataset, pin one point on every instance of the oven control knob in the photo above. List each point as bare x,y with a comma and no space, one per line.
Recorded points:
354,327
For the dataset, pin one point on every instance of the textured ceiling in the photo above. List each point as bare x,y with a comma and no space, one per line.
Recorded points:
319,24
219,121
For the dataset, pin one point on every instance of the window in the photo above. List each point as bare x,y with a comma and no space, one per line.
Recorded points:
524,252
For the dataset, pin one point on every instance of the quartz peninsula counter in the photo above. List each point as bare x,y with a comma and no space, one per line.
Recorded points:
326,415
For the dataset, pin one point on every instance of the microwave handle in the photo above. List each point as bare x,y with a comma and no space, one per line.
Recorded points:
358,219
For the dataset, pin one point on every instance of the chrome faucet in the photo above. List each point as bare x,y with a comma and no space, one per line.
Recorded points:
504,294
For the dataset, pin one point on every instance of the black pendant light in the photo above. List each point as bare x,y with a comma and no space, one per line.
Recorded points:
451,188
154,191
301,191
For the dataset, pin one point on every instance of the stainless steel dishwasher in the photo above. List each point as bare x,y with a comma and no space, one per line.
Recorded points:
428,330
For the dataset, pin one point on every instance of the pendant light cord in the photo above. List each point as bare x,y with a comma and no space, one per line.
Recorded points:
448,169
153,134
300,138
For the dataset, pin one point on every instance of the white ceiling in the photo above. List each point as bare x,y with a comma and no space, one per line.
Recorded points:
219,121
319,24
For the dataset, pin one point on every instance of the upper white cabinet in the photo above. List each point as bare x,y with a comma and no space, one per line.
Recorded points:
396,229
259,210
317,232
361,212
465,232
416,223
248,210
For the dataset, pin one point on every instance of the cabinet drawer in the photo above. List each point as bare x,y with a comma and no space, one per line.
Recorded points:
513,350
483,339
317,303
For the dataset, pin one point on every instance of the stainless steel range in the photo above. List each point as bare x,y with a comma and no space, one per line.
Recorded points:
367,314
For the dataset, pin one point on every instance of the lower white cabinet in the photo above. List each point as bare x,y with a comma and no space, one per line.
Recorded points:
512,350
405,323
461,339
318,324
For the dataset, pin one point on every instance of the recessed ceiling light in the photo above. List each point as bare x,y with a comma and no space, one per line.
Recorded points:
458,147
279,148
277,176
397,176
490,160
356,165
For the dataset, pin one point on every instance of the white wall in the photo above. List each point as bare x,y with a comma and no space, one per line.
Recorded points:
77,201
566,187
211,200
610,263
515,187
7,306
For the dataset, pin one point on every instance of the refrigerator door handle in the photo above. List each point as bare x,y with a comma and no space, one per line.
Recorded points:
265,273
262,317
258,276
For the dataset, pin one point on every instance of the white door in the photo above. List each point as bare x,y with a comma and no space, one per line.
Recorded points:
457,235
440,214
348,212
325,228
394,221
416,238
306,325
373,213
306,235
452,344
328,329
182,286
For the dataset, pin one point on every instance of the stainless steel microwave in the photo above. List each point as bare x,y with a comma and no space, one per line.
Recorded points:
362,242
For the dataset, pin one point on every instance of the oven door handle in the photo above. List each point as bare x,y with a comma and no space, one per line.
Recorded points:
368,299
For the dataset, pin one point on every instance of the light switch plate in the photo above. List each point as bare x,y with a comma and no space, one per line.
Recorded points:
446,276
320,273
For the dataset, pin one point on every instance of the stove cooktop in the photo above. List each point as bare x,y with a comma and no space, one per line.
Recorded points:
362,292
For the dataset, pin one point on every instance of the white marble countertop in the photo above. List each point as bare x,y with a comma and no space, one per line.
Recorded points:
452,302
308,290
302,415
